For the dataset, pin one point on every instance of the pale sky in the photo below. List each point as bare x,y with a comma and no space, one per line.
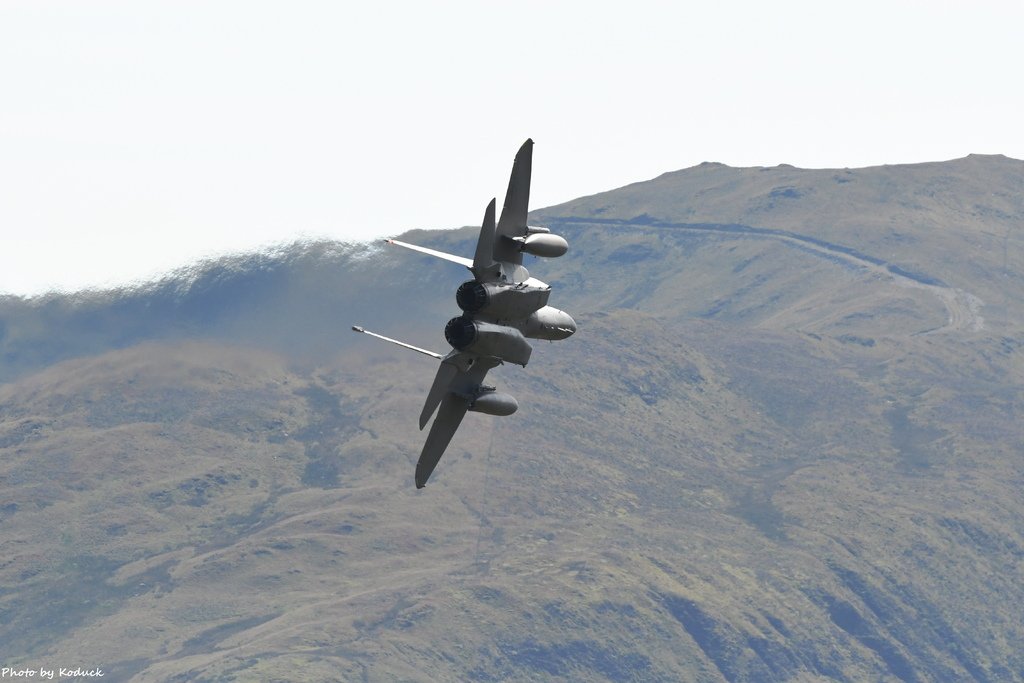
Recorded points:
138,136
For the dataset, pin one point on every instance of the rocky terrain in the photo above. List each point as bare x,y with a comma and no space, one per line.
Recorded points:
785,445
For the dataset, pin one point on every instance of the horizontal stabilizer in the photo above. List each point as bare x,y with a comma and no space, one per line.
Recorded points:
449,417
446,372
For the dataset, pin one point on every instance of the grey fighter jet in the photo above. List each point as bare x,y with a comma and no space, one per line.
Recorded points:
502,307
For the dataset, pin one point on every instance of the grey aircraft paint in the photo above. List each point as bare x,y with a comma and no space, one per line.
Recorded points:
502,306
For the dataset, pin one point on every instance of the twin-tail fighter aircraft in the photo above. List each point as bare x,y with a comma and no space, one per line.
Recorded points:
501,306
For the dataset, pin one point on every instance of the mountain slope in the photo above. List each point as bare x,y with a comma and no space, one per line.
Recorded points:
784,445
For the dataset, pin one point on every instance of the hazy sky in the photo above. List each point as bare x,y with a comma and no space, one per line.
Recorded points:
138,136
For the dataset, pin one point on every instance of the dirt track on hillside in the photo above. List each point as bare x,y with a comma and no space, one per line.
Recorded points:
962,308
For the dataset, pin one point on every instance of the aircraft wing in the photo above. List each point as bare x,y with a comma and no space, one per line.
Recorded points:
434,252
449,417
456,384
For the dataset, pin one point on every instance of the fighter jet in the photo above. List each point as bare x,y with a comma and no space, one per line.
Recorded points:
502,307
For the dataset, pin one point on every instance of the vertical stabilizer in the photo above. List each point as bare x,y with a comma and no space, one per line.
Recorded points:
483,261
517,201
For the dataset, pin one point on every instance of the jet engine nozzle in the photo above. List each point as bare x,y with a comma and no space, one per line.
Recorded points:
501,301
472,296
487,339
460,332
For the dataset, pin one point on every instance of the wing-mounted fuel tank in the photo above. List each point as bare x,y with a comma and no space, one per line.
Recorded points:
487,339
540,242
548,323
501,301
494,403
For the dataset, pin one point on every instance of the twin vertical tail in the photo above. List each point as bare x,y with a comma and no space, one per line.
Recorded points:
483,260
517,202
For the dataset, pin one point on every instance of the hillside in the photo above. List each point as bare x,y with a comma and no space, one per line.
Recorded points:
785,444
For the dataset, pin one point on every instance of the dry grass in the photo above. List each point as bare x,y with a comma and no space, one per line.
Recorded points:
747,465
